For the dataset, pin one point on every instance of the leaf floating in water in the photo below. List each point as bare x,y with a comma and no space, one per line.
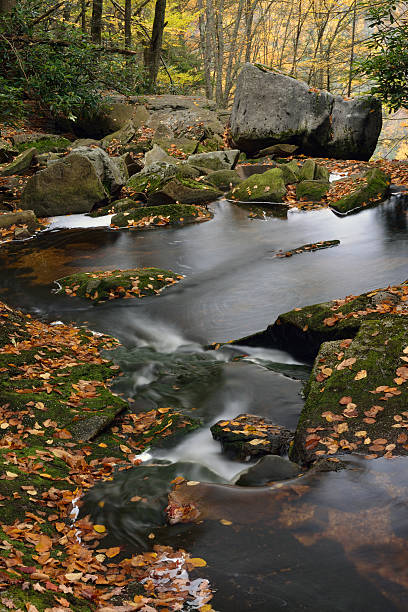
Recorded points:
197,561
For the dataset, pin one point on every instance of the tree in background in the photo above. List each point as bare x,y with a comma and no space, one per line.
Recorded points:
387,62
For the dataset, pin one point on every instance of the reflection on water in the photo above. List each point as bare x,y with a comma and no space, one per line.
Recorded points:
234,285
332,541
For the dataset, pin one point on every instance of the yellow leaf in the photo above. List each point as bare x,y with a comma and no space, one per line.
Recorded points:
100,528
225,522
257,441
11,475
112,552
197,562
192,483
361,374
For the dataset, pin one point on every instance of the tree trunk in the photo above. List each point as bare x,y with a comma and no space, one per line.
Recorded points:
96,21
83,15
6,6
156,41
205,48
128,24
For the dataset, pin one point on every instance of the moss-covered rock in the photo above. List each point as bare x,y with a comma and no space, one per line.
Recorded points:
248,436
303,330
289,175
111,284
224,180
312,191
215,160
266,187
20,164
70,185
352,404
308,170
158,216
116,207
177,147
184,191
372,191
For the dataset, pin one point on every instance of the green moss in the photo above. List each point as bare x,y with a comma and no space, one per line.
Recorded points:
374,191
377,342
173,214
101,286
45,145
312,191
266,187
116,207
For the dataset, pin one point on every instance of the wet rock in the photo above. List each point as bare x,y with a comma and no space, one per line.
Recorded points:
70,185
312,191
352,404
270,468
249,436
20,164
225,180
215,160
266,187
284,110
373,190
309,248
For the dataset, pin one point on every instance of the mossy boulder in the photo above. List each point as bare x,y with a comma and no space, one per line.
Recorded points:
20,164
157,154
352,404
248,436
116,207
225,180
374,190
158,216
289,175
303,330
156,177
312,191
25,217
70,185
266,187
111,284
183,191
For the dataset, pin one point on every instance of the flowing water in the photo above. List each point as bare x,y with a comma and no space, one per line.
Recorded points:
324,541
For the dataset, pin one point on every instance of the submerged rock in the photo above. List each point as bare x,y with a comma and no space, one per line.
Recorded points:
270,468
70,185
271,108
266,187
249,436
111,284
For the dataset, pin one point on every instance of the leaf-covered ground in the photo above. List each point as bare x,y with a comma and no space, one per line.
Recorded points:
54,386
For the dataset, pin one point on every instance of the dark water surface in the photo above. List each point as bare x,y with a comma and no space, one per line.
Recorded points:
327,541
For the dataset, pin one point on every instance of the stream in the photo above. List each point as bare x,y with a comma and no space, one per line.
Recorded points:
325,541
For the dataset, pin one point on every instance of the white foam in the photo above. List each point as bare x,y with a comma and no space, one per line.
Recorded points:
78,221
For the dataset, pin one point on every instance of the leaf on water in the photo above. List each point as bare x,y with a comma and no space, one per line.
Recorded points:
100,528
198,562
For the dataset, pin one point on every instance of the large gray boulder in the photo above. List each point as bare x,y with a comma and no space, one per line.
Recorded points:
272,108
70,185
112,171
